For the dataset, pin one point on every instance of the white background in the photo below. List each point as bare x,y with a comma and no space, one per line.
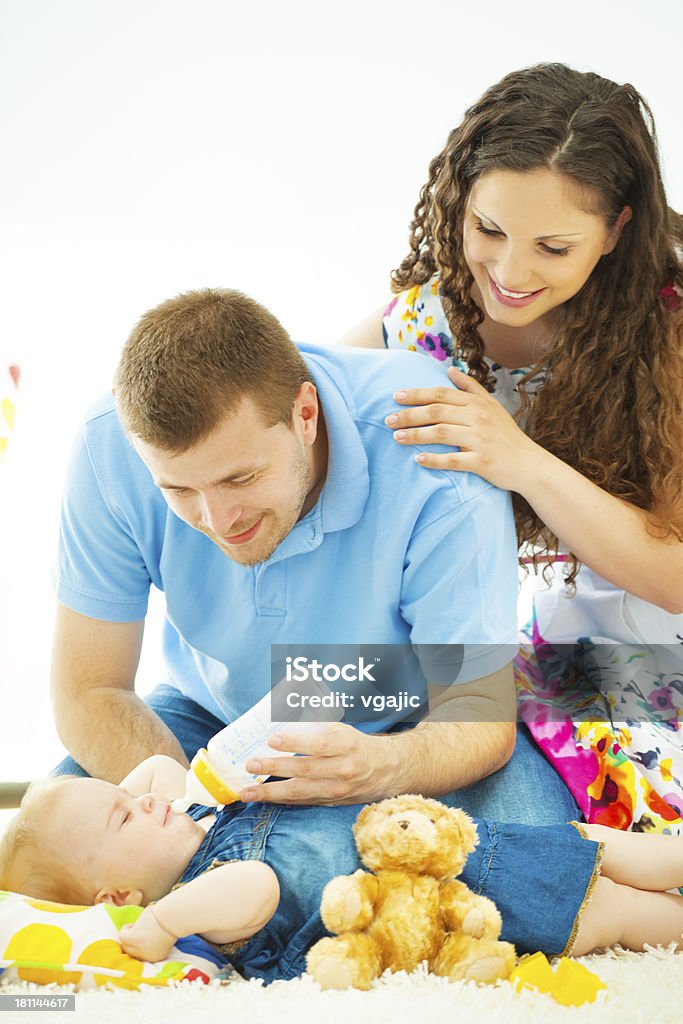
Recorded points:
150,146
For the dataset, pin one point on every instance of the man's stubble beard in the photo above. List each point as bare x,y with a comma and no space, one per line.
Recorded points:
282,522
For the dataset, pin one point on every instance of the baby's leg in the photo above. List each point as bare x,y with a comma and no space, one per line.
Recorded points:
639,859
629,916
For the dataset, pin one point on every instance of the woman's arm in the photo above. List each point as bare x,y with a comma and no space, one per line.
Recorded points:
231,902
158,774
606,533
368,333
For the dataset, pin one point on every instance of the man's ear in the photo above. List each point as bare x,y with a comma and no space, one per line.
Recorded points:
120,897
306,411
615,231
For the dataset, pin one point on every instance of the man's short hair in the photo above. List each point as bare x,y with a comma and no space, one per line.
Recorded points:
190,361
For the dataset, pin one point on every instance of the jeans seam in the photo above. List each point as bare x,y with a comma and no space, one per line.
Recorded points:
588,895
260,832
487,861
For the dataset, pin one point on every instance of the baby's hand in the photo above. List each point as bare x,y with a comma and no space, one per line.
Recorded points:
146,938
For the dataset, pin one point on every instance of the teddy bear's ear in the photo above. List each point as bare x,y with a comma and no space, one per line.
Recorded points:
467,830
363,817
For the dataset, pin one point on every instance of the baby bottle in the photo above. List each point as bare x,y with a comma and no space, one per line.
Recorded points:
217,773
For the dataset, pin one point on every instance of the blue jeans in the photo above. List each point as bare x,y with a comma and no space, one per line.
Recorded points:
527,790
538,878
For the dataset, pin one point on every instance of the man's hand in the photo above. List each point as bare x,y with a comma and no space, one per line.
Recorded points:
339,765
146,938
468,734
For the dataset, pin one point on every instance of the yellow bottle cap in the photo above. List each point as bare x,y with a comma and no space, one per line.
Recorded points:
211,780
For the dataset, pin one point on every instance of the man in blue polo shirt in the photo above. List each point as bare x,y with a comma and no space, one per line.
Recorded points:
256,484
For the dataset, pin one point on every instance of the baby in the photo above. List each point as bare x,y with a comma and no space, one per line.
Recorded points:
86,841
249,877
215,873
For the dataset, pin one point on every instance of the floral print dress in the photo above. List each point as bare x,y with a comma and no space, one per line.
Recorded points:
600,673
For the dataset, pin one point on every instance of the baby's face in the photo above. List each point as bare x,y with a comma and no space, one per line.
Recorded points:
128,849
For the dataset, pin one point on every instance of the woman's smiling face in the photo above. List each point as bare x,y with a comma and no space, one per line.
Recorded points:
529,245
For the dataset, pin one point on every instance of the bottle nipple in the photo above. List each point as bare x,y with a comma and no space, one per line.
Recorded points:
181,803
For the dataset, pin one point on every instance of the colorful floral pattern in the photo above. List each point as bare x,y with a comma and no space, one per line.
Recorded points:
610,725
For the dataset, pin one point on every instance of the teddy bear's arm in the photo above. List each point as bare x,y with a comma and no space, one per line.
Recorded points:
464,911
348,902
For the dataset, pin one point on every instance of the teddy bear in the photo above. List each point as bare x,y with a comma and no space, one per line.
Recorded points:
411,908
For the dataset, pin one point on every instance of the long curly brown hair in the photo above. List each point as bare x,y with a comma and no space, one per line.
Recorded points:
614,360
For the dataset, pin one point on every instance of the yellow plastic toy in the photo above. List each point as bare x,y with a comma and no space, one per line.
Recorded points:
534,972
571,984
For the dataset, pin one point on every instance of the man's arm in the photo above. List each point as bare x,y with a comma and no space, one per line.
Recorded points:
231,902
100,719
469,734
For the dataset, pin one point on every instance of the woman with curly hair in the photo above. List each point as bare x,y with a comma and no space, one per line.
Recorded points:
545,265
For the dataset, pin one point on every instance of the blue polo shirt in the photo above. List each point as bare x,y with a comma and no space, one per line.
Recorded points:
391,553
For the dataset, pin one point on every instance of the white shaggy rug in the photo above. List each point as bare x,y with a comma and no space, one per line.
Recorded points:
641,987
